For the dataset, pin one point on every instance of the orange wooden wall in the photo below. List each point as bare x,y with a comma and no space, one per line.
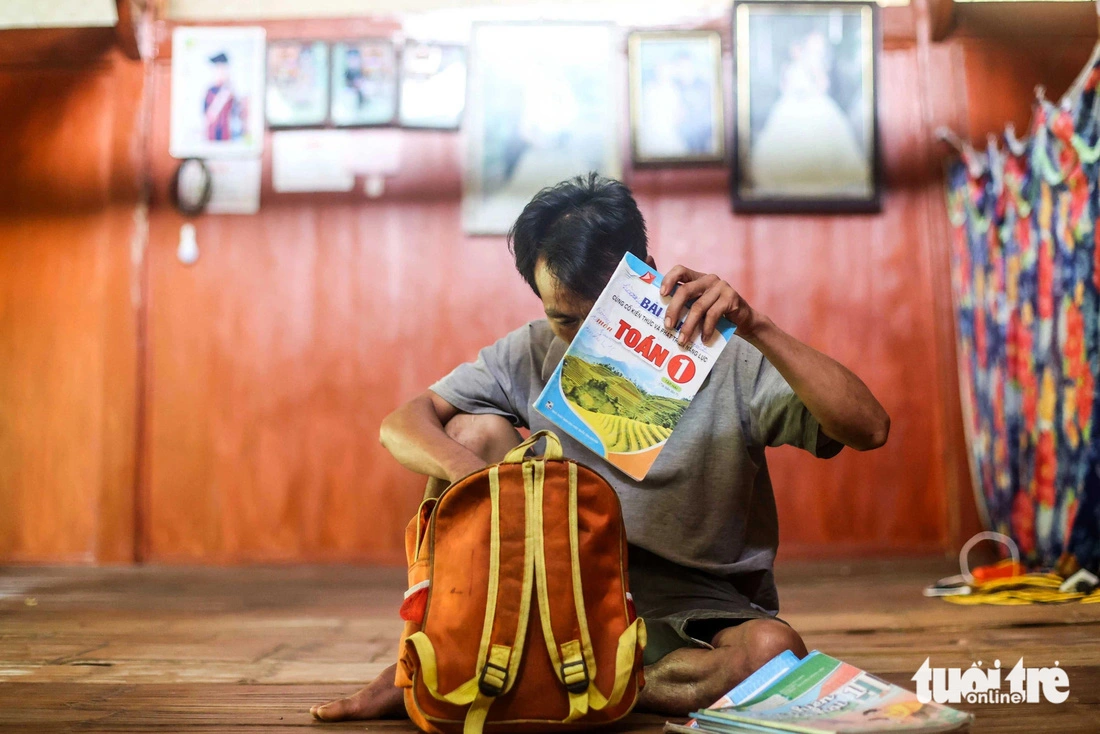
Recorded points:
68,173
265,368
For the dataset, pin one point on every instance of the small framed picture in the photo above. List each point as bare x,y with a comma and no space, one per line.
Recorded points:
806,125
433,86
297,83
217,92
364,83
677,114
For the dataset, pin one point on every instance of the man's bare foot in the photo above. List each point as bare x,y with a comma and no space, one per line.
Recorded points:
379,699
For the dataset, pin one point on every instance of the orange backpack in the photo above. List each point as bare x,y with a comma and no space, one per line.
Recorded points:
505,626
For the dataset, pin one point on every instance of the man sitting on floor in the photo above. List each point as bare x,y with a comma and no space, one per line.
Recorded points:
702,525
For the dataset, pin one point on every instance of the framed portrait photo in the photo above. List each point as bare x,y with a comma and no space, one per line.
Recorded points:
806,123
433,86
297,83
364,83
543,106
677,113
217,92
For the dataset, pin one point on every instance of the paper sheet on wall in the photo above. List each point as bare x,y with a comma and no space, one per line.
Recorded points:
234,186
311,160
375,152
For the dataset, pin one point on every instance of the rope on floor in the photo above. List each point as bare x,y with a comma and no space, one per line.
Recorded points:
1029,588
1007,583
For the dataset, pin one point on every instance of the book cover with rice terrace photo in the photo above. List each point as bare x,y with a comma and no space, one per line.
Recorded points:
624,382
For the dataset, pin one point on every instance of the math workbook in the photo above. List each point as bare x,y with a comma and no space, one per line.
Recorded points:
624,382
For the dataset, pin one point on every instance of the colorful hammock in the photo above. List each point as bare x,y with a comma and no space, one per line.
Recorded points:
1026,279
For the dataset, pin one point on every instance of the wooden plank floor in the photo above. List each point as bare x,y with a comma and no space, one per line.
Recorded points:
238,650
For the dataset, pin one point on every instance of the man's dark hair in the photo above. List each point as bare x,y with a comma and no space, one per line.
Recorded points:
581,228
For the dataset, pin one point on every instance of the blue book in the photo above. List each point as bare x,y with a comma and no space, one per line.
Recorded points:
624,382
823,695
759,681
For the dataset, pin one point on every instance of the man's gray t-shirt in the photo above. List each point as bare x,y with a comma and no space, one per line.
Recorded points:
706,504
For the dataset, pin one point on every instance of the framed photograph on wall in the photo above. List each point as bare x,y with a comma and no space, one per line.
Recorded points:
806,124
364,83
677,113
217,92
297,83
543,106
433,86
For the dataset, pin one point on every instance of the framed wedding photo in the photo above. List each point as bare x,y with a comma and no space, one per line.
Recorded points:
806,124
677,112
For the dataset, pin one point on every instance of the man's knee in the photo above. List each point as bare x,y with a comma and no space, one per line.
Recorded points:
679,684
765,638
487,436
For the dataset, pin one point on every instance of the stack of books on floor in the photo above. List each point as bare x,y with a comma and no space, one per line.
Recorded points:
819,695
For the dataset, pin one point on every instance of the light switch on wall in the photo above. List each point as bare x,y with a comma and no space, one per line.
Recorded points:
374,186
188,250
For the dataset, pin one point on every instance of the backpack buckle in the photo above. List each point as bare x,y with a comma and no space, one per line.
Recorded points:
492,679
574,673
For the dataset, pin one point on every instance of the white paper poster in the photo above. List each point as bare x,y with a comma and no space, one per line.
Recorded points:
375,152
311,160
235,186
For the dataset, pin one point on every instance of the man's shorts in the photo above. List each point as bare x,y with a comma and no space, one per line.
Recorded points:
684,607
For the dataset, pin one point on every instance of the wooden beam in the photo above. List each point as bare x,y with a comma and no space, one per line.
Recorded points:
941,16
54,47
1053,20
126,31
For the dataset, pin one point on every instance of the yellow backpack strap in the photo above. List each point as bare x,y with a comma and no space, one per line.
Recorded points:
553,448
539,540
494,570
568,662
630,641
429,670
429,673
498,665
579,663
579,658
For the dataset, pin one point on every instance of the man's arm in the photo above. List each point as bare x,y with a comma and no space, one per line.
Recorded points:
842,405
415,435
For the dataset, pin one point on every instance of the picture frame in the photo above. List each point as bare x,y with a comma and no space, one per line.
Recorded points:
806,133
297,83
363,91
432,86
677,104
217,92
543,105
